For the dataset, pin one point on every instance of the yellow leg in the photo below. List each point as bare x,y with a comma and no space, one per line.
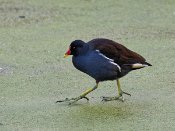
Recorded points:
118,86
83,95
120,94
88,91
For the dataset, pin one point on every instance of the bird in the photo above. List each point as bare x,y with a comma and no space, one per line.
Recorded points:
103,59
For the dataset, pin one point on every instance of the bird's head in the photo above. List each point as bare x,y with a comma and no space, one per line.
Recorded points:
75,48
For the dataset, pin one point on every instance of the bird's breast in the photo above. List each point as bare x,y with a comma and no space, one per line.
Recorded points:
80,63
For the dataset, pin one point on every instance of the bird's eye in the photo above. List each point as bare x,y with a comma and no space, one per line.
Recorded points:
74,47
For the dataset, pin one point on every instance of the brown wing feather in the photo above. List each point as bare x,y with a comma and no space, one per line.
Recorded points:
119,53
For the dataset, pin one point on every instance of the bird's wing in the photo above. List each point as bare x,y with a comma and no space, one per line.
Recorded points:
119,53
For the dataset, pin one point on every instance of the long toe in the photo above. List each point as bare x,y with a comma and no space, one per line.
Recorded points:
77,99
73,100
105,99
65,100
122,92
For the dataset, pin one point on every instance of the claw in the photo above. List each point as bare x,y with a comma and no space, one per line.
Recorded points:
62,100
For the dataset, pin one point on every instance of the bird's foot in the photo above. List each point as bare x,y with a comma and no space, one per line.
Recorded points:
105,99
73,100
120,97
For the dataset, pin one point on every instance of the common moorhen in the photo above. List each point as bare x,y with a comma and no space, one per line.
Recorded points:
103,59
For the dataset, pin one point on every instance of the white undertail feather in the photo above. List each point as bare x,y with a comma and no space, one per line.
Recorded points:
138,65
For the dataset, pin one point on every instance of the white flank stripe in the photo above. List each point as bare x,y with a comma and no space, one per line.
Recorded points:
111,60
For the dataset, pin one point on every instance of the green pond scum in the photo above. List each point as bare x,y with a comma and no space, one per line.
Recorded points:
35,34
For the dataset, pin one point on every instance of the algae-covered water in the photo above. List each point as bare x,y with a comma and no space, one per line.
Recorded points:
35,34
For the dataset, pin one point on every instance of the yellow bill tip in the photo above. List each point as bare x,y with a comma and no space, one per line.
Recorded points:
66,55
